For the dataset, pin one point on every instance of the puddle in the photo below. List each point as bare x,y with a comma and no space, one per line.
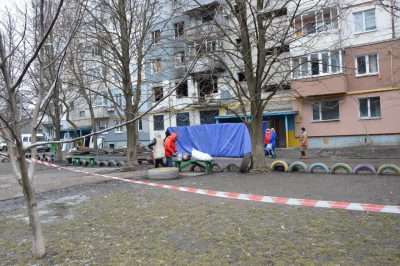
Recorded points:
55,208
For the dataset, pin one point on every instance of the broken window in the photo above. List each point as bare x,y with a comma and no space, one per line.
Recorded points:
207,86
179,29
182,90
158,93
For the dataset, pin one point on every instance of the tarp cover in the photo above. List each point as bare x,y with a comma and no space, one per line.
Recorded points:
218,140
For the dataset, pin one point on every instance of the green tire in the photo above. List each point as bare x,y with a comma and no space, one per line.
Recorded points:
388,166
298,164
341,165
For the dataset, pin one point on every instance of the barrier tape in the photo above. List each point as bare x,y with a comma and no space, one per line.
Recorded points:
258,198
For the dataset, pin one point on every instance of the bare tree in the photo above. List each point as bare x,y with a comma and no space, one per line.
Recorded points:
13,76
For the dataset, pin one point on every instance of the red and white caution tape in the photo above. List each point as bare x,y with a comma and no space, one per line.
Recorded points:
240,196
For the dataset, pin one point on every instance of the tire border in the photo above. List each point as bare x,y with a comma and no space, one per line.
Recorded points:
244,166
388,166
298,164
220,167
323,166
341,165
274,163
364,166
228,167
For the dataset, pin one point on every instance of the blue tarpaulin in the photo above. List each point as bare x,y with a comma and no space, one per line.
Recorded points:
218,140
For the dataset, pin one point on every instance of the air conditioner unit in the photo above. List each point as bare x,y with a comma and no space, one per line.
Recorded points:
110,108
225,13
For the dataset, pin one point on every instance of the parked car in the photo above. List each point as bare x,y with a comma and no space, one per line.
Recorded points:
3,145
27,138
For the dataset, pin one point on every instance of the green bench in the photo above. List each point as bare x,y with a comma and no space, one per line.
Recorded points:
76,161
207,164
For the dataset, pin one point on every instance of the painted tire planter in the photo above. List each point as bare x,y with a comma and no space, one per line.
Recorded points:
5,160
163,173
364,166
320,165
277,162
232,167
84,162
96,162
120,163
103,163
111,163
341,165
217,167
193,167
247,163
298,164
388,166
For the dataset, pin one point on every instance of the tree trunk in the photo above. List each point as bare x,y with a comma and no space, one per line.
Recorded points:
131,134
257,141
58,146
38,246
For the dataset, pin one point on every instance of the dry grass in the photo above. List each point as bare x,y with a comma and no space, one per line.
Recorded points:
124,227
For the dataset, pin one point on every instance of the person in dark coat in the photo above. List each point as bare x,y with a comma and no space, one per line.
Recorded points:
273,142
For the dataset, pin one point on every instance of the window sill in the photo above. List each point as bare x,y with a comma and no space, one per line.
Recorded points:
368,118
320,121
104,133
362,32
118,132
367,75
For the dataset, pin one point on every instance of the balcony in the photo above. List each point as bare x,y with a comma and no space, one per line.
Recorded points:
190,7
203,30
206,65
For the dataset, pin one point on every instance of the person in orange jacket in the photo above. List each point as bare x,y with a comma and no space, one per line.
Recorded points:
170,149
303,143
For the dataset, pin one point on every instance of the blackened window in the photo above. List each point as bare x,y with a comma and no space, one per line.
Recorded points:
158,122
182,90
208,117
182,119
207,85
241,77
158,94
179,29
208,17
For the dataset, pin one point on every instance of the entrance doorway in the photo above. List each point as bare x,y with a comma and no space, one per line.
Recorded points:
279,125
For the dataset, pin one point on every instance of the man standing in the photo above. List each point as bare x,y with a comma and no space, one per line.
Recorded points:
303,143
170,148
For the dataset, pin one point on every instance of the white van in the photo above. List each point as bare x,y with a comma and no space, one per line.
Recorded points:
27,138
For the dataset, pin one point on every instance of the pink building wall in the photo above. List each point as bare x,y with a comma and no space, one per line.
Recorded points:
346,86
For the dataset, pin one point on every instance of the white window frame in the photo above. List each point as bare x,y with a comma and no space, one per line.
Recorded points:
308,73
320,112
118,99
320,25
179,59
369,109
119,129
155,39
366,56
105,125
154,66
363,20
176,30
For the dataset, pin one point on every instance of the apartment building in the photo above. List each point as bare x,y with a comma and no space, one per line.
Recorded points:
347,80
